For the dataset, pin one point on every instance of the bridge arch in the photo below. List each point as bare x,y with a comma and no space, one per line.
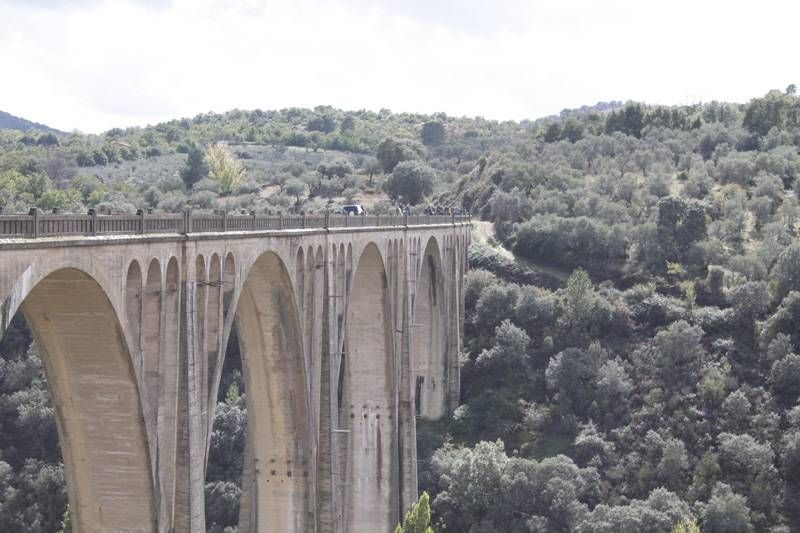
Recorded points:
367,402
228,284
276,494
300,278
428,359
215,286
133,303
213,327
151,328
92,378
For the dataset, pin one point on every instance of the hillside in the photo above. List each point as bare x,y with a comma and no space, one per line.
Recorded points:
630,345
10,122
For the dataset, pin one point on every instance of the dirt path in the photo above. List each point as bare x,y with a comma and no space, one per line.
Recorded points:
483,233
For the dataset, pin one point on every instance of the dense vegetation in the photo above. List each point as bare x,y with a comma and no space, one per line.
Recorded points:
634,365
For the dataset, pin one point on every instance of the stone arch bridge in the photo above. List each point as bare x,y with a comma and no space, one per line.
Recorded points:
349,329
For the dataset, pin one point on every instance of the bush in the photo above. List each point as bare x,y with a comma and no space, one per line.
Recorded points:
410,182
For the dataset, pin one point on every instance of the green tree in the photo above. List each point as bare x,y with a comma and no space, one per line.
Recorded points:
433,133
391,152
750,300
348,124
790,458
372,166
659,512
339,167
582,311
325,123
226,453
629,120
66,523
475,282
736,409
196,167
773,110
674,464
66,200
785,378
37,184
222,506
679,354
726,512
410,182
47,139
223,167
687,525
495,304
483,489
11,183
571,376
295,187
786,272
553,132
418,518
509,355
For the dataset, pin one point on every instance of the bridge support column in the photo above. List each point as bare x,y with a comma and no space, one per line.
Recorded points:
190,467
328,513
455,280
407,426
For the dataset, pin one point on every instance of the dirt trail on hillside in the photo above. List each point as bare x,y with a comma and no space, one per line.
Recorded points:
483,233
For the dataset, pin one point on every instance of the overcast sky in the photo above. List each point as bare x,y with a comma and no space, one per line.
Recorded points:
96,64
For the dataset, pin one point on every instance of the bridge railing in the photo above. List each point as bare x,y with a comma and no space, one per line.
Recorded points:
36,224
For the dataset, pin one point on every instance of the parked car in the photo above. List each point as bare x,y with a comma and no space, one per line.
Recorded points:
354,209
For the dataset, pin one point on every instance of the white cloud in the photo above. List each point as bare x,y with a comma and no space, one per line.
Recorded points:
97,64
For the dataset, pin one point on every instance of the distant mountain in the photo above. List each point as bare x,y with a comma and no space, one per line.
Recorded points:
10,122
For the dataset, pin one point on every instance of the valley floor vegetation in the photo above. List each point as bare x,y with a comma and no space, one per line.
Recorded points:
631,349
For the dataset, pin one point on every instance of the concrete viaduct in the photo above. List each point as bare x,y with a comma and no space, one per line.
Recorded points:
349,329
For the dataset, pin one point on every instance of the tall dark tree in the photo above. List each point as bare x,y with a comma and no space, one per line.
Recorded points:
433,133
196,167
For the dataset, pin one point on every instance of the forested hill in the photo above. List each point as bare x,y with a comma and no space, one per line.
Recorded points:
630,357
10,122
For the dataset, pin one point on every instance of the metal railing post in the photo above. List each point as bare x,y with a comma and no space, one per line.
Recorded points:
327,220
140,214
92,221
187,220
253,216
280,221
304,219
224,221
35,214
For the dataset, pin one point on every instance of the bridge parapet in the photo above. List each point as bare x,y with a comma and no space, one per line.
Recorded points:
36,224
